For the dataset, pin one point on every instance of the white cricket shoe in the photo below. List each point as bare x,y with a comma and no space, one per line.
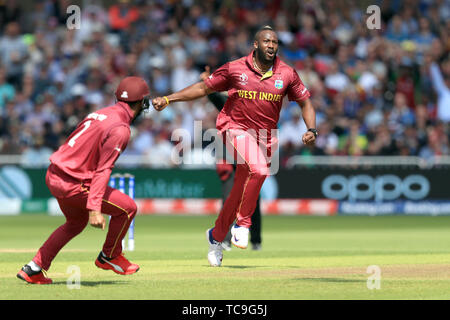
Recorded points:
226,243
215,250
239,236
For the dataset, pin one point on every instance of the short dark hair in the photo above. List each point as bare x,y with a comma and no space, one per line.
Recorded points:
264,28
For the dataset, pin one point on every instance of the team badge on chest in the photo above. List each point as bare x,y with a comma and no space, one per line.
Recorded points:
279,84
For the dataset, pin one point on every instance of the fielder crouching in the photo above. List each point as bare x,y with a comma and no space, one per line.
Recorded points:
78,178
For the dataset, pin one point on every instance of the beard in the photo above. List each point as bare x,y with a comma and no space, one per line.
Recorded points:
262,56
138,113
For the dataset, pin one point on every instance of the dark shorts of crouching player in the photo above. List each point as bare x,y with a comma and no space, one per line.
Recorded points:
78,178
256,86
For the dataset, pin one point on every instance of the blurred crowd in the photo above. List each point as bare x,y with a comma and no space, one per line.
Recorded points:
379,91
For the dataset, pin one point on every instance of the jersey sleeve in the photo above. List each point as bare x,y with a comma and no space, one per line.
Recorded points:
220,79
296,90
115,142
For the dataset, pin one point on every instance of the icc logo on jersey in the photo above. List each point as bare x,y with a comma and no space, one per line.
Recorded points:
243,79
279,84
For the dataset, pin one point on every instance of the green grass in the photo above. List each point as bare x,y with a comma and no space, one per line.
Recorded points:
302,258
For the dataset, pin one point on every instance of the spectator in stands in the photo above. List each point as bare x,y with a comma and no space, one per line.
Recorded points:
354,142
327,141
13,52
122,15
7,91
437,145
355,75
336,81
382,143
289,132
36,155
184,75
401,115
160,154
441,85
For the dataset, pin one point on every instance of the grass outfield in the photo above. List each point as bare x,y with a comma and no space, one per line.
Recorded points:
302,258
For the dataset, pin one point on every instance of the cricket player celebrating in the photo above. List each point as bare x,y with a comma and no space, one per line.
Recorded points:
225,171
78,178
256,85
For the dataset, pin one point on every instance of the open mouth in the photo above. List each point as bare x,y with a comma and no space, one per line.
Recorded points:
271,54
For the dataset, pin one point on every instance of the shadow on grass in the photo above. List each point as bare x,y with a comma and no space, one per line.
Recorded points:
330,280
243,267
93,283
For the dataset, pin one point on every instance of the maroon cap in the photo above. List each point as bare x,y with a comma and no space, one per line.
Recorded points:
132,89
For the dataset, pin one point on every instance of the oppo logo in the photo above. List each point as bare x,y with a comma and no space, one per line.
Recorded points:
384,187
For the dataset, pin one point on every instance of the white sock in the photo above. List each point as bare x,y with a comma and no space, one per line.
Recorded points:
34,266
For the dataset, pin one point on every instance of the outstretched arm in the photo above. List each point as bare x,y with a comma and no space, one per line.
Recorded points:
192,92
218,81
437,79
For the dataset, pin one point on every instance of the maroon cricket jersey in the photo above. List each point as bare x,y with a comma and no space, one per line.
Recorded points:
254,100
90,152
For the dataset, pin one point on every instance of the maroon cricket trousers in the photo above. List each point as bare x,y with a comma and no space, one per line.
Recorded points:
253,160
72,196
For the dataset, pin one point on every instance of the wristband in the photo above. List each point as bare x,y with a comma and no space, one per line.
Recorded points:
167,100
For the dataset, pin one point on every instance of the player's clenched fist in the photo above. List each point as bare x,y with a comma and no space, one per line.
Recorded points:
205,74
309,138
96,219
159,103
